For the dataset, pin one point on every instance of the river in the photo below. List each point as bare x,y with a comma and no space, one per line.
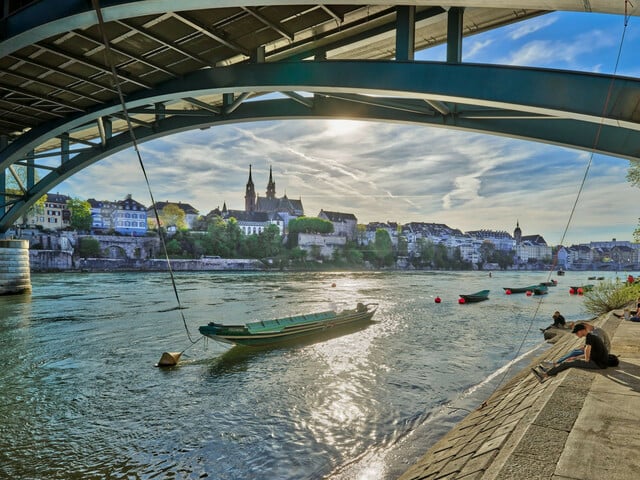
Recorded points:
82,398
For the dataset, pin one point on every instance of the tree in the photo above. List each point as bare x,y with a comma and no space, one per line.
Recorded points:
633,177
171,215
81,219
89,248
383,248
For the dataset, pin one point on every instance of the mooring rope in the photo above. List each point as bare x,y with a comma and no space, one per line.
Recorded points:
109,61
578,195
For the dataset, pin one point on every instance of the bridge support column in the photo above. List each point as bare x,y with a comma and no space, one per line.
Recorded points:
454,34
15,276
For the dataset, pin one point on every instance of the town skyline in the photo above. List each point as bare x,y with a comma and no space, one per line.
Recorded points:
402,173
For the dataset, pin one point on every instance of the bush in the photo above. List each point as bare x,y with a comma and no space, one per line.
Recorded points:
609,295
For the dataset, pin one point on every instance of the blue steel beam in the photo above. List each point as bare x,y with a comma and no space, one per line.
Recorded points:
560,131
555,93
562,108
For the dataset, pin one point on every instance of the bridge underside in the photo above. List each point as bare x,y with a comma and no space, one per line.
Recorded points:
57,120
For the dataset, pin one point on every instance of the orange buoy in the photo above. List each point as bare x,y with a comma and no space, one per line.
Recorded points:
461,301
438,300
507,291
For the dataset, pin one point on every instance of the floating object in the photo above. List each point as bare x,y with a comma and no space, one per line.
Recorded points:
551,283
333,285
571,291
529,293
438,300
169,359
507,291
581,289
270,332
475,297
461,301
560,272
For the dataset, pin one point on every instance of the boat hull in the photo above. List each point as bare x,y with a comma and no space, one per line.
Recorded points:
476,297
278,331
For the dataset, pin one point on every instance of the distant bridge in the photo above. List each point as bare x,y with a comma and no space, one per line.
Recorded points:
198,67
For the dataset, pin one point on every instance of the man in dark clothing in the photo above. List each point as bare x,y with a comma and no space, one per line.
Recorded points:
595,355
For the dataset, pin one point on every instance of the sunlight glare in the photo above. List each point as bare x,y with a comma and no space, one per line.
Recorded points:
339,127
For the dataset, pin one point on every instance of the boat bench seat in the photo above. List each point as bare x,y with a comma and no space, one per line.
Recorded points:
280,323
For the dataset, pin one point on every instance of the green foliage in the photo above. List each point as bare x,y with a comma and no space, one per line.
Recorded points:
172,215
81,219
310,225
383,248
609,295
89,248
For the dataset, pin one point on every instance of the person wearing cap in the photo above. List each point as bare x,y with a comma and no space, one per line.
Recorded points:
579,352
596,355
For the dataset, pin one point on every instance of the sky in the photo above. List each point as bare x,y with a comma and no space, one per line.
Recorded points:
406,173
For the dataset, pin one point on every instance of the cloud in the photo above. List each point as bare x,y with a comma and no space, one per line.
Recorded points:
527,28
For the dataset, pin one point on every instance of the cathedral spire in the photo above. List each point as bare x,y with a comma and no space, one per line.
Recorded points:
271,186
250,195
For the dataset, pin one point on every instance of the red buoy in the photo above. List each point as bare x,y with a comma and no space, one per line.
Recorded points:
571,291
461,301
529,293
580,291
507,291
437,300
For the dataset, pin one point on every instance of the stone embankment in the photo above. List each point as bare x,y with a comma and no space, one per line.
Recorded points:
581,424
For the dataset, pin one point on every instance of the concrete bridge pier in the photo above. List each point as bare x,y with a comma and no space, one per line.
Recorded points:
15,276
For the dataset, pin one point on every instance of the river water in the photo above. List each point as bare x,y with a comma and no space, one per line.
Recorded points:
82,399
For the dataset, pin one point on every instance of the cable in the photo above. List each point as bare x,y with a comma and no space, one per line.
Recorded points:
108,59
582,184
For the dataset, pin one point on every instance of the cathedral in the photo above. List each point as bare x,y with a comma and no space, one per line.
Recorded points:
260,212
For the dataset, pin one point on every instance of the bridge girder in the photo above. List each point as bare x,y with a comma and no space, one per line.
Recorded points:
593,112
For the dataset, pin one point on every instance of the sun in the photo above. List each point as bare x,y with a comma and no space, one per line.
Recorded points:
339,127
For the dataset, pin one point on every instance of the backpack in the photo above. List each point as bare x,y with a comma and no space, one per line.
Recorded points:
612,361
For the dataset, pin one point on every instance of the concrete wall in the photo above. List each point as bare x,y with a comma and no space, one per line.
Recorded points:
48,260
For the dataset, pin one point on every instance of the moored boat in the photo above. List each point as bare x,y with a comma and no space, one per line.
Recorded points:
270,332
475,297
551,283
582,288
520,289
540,290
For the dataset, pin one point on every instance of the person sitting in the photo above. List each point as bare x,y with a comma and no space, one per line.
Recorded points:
579,352
635,316
558,321
596,356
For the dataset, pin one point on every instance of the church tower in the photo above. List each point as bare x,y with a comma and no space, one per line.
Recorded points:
271,186
250,195
517,233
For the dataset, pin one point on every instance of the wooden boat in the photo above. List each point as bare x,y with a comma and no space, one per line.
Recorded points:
540,290
520,289
270,332
476,297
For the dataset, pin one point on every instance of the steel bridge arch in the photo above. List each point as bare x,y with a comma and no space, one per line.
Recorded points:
586,111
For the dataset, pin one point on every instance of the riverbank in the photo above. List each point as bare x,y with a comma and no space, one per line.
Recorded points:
579,425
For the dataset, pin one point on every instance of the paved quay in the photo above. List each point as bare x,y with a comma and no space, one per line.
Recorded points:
581,424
